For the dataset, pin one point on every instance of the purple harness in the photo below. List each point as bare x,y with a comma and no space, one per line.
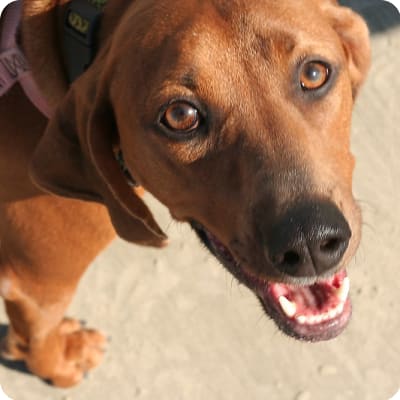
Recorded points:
13,65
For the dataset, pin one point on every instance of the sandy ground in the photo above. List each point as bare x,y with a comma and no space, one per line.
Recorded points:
181,328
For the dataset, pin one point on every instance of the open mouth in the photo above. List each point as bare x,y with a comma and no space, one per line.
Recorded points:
315,312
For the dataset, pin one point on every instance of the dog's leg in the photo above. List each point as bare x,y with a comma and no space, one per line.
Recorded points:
46,243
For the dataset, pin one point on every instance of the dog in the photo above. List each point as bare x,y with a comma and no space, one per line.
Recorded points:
236,115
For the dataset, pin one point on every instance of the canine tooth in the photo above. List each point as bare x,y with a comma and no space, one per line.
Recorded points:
288,307
343,292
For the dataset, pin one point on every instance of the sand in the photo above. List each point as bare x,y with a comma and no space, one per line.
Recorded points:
182,328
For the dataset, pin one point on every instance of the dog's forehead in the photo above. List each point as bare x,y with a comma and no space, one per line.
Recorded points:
247,35
236,18
261,17
238,29
213,32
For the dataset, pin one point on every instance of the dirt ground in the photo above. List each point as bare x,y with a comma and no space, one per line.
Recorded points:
182,328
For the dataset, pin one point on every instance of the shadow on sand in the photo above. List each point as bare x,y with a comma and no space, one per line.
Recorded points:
15,365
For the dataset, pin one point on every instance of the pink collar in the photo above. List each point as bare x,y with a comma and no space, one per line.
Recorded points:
13,65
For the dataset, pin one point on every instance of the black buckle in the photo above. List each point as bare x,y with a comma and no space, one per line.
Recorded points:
81,23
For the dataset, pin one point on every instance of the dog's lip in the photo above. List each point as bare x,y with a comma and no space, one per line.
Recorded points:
314,312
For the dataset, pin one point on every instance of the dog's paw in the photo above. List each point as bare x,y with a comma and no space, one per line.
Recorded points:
84,350
67,355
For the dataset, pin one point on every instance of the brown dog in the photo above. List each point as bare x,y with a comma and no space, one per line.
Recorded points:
234,114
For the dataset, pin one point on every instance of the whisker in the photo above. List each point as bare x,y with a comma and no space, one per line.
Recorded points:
261,317
232,280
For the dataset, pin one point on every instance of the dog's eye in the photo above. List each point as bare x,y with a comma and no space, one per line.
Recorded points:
181,117
314,75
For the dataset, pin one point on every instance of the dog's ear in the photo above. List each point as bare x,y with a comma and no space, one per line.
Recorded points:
75,158
354,35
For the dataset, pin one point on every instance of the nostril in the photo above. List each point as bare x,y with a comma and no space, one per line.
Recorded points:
287,261
331,245
291,258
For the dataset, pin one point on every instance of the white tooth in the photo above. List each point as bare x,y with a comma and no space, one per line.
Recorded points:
318,319
332,313
288,307
343,292
301,319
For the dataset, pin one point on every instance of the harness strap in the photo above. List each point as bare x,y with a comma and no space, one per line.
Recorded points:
13,64
80,29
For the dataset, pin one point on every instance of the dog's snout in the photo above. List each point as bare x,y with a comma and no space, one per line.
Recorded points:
308,240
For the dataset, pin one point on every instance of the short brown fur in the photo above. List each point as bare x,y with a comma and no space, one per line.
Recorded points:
60,183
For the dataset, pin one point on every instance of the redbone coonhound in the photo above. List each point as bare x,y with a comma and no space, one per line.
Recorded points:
234,114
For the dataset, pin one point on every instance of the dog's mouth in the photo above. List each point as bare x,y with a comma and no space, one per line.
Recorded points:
315,312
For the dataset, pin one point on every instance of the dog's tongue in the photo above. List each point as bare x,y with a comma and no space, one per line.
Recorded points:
312,304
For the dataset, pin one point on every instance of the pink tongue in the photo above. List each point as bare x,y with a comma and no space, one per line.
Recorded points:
313,299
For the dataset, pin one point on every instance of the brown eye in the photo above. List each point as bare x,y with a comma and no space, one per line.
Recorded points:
314,75
181,117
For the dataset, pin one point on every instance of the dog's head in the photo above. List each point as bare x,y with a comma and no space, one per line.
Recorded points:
236,115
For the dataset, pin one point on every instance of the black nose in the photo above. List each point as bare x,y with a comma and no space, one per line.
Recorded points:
310,239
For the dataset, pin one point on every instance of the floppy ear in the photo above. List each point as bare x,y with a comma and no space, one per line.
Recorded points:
354,35
75,159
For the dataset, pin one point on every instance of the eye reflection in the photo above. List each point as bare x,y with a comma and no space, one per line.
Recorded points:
314,75
181,117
